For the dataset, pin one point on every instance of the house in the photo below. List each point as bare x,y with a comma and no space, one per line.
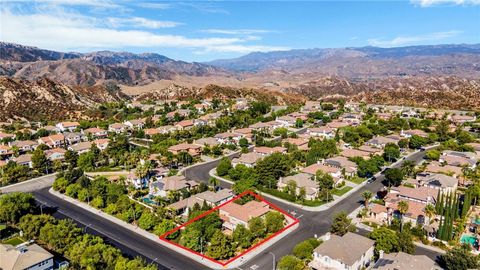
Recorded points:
456,158
350,252
437,181
335,172
166,129
409,114
211,198
73,137
6,136
193,149
324,132
135,124
342,163
301,143
260,126
311,106
53,141
25,159
207,141
371,150
234,214
302,181
349,153
117,128
286,120
67,126
410,132
338,124
475,146
265,151
247,159
299,115
184,125
137,182
380,213
461,119
81,148
5,150
384,116
179,112
101,144
24,146
435,167
162,186
55,154
421,194
95,132
228,137
32,257
51,129
151,131
381,141
351,118
404,261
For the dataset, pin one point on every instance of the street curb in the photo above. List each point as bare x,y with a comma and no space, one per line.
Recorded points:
27,181
156,239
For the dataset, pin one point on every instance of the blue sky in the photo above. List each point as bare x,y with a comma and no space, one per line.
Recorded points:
203,31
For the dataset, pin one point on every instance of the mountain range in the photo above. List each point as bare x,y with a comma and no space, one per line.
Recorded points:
436,75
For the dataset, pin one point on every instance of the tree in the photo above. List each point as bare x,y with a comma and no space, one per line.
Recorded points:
405,242
402,209
430,211
304,250
341,224
60,184
271,168
299,123
224,166
220,247
393,176
243,143
242,236
257,227
165,226
391,152
290,262
416,142
385,239
15,205
433,154
325,181
191,238
214,182
367,196
464,137
40,161
147,220
71,158
86,161
460,258
31,224
408,168
274,221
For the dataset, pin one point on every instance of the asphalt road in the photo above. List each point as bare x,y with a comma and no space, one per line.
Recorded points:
311,223
130,243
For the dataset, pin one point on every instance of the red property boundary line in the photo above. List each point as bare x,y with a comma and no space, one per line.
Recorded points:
248,192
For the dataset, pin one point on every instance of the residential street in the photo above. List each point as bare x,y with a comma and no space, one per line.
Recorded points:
311,224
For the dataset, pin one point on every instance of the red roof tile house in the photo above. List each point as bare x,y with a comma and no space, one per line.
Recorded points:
185,125
301,143
193,149
409,133
53,141
96,132
67,126
234,214
302,181
324,132
263,150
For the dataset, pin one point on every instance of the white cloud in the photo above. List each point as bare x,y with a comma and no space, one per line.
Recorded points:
141,22
429,3
236,31
69,31
91,3
154,5
410,40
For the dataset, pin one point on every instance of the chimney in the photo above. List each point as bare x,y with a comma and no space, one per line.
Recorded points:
380,254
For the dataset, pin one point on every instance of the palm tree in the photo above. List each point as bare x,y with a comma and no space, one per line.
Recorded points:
408,167
429,211
402,209
367,196
214,182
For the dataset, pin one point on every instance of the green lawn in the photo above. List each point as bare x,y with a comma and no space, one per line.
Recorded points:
14,241
357,180
3,227
340,192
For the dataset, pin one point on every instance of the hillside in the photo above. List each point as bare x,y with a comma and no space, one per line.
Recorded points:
46,99
174,91
94,68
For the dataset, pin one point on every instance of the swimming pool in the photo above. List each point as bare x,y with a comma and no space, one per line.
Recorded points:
476,221
148,200
468,239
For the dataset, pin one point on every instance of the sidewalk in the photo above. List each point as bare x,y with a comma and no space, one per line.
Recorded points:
30,185
155,238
